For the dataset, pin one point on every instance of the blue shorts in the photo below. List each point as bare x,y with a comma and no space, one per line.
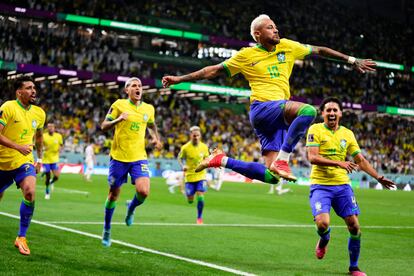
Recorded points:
192,187
50,167
269,124
17,175
118,171
340,197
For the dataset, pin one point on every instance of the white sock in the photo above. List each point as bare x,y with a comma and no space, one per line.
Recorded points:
224,161
283,155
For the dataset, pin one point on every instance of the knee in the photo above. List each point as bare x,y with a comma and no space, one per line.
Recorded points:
322,225
308,110
144,193
354,228
29,194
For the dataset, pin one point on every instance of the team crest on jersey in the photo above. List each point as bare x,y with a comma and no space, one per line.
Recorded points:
343,143
281,57
34,124
145,117
318,206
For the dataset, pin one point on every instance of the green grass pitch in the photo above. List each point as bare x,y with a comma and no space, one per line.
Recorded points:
245,229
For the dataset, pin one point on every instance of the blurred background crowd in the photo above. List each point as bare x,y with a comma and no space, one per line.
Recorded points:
78,110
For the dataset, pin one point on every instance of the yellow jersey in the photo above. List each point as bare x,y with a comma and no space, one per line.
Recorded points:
20,126
129,139
333,145
51,145
193,155
268,73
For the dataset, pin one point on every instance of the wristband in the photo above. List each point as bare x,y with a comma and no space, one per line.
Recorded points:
351,60
39,160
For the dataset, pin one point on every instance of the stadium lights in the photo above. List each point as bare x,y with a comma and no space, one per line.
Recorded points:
388,65
40,79
52,77
412,69
72,79
10,72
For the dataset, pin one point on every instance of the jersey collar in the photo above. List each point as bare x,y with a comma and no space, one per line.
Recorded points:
333,131
131,102
21,105
260,46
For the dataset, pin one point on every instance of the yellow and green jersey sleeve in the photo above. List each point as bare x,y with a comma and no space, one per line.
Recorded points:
129,139
20,126
51,144
193,155
333,145
267,72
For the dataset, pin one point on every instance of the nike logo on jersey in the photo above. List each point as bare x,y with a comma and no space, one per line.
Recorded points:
15,121
254,63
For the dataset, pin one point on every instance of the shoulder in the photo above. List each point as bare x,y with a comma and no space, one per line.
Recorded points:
8,104
316,127
148,106
39,110
347,131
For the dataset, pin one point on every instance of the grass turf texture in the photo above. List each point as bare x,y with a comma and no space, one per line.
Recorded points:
260,250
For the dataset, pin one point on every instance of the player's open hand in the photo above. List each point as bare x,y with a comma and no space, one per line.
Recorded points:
387,183
169,80
349,166
364,65
25,149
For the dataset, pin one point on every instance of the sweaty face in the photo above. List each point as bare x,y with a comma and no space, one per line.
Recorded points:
195,137
134,90
26,94
268,33
331,115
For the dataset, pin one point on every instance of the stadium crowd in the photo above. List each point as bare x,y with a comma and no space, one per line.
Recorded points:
78,111
83,48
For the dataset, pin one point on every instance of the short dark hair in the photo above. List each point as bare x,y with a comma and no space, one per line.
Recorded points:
18,83
330,100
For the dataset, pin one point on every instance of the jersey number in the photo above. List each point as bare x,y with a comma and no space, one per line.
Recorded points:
134,126
273,71
23,133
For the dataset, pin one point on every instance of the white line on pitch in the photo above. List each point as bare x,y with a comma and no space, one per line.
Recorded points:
229,225
173,256
58,189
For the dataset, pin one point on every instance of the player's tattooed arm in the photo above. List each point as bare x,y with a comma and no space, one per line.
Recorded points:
207,72
155,137
39,148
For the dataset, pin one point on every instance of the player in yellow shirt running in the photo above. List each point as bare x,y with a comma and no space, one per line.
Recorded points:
328,144
278,122
130,117
21,122
52,142
191,154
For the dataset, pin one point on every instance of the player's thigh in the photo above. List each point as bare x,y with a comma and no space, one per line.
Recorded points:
118,173
320,199
344,202
269,157
201,186
6,180
291,110
190,189
46,168
55,169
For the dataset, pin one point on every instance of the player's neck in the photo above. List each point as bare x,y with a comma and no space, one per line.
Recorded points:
268,47
137,103
24,105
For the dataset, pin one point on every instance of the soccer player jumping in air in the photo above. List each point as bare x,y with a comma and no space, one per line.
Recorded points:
278,122
328,144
